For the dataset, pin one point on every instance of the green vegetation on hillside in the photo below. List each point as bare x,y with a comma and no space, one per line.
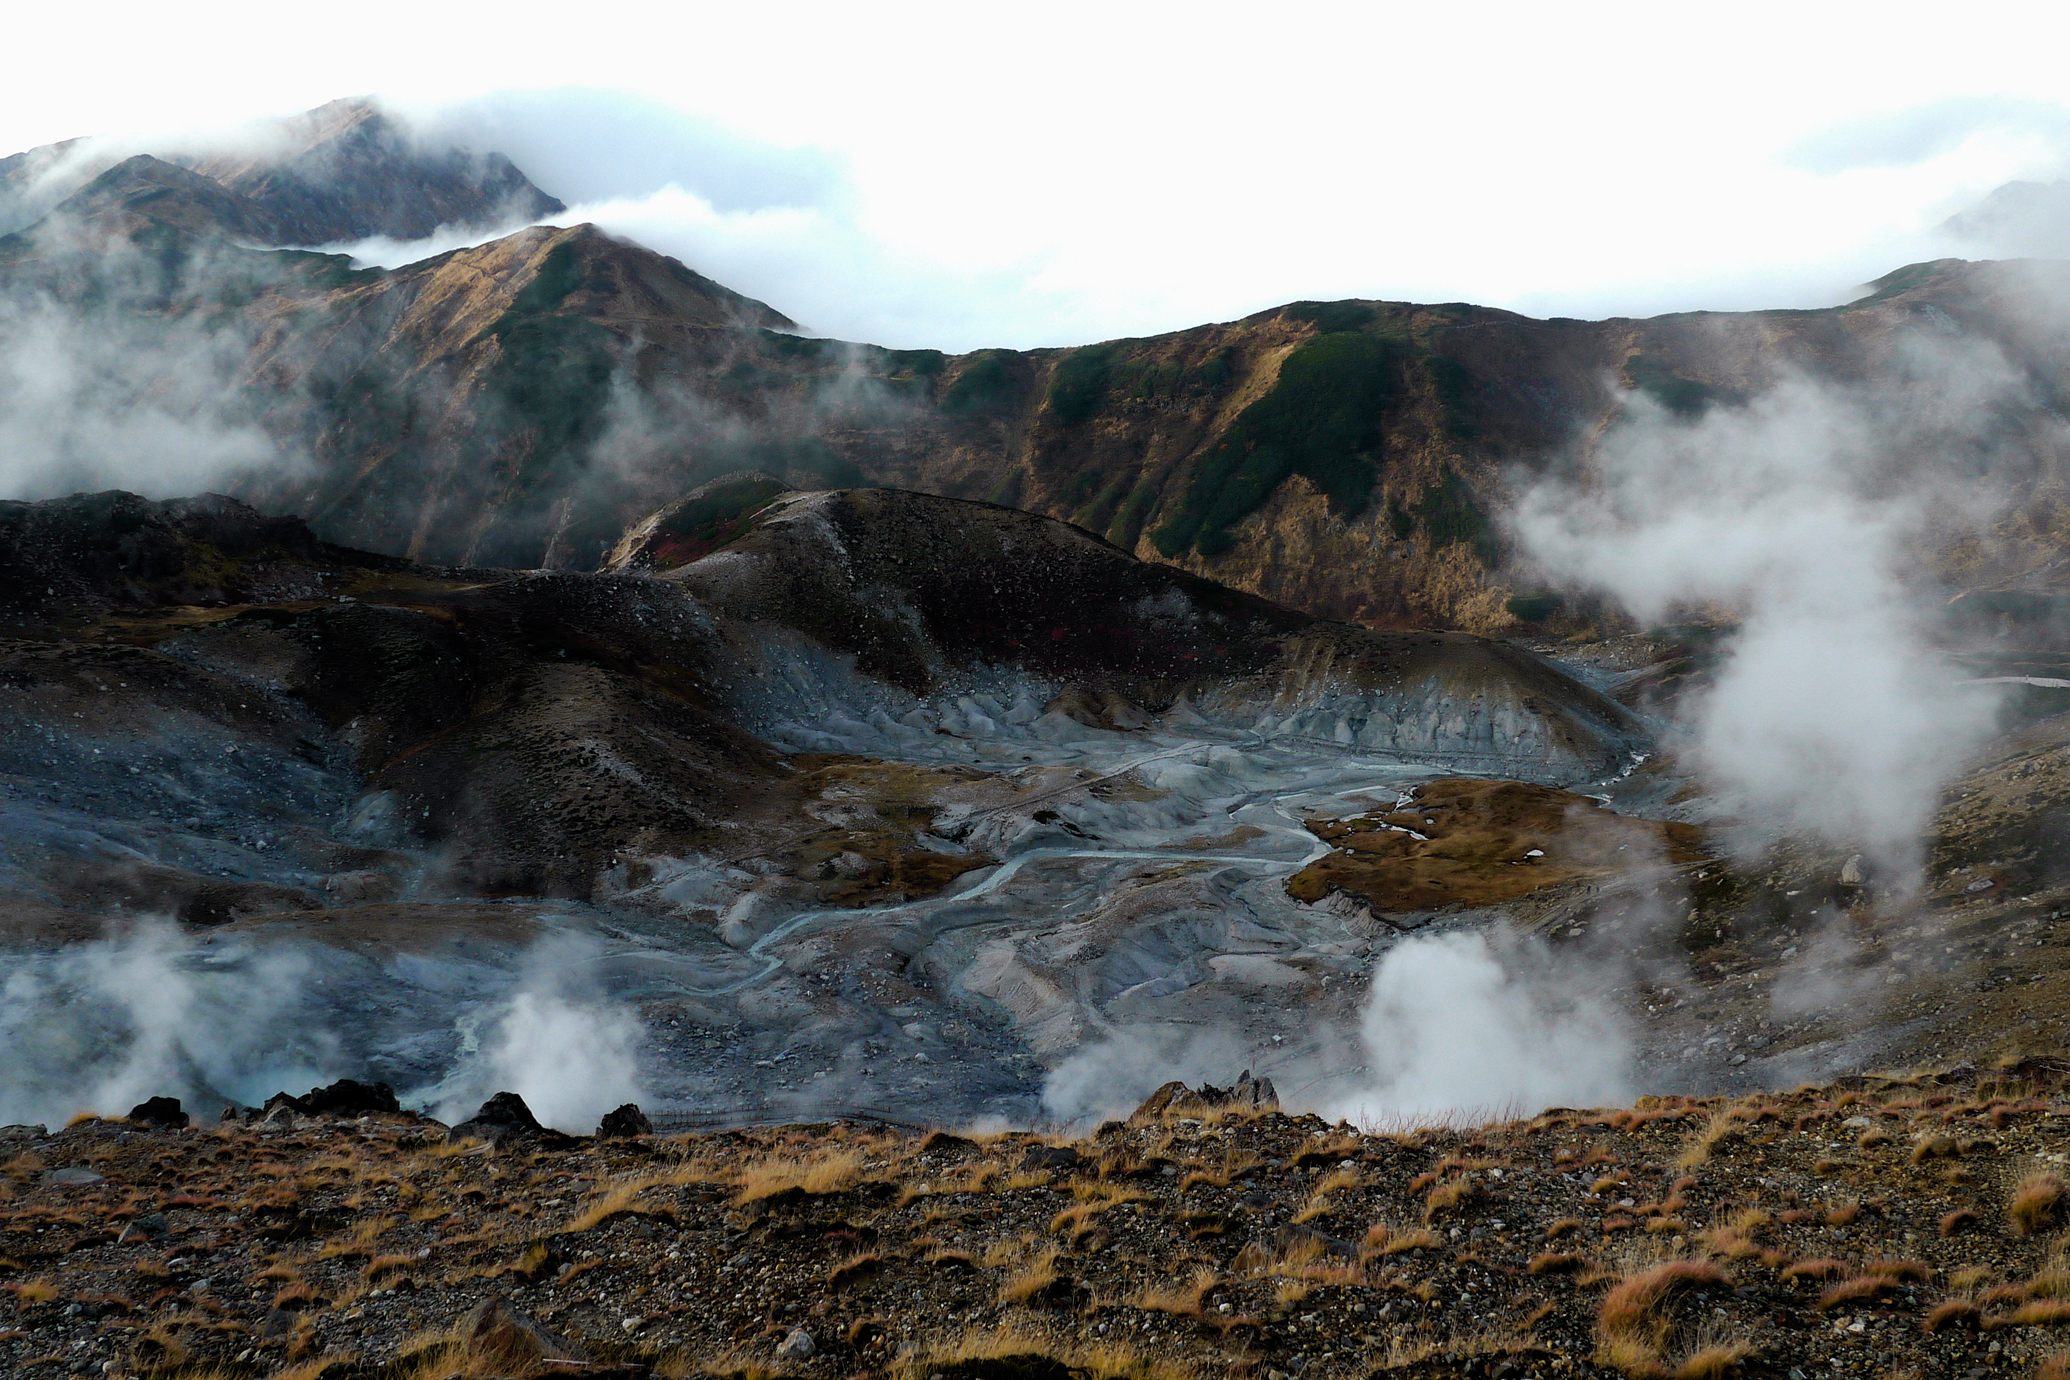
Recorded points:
554,374
1452,385
1535,607
1685,397
1331,317
985,385
1449,515
1079,382
1088,377
1320,421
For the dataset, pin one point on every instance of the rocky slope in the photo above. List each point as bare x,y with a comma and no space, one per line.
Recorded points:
1884,1226
522,403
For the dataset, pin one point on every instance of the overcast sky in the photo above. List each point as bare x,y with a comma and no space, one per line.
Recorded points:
964,175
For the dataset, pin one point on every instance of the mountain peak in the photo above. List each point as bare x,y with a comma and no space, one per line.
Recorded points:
343,171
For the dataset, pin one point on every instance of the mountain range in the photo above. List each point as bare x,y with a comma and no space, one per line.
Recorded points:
521,402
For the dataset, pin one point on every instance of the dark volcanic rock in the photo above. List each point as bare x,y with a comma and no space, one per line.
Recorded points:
159,1111
1248,1094
122,550
502,1118
505,1109
349,1097
623,1124
1051,1157
145,1226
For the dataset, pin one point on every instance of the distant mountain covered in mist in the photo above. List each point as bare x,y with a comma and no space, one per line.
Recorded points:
344,171
521,403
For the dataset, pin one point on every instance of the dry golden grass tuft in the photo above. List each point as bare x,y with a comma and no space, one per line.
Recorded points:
1448,1196
856,1267
1958,1220
1382,1238
1099,1360
1186,1300
1554,1262
2037,1204
1034,1277
1948,1313
1233,1165
833,1171
1698,1148
1859,1289
1632,1326
1713,1361
2040,1313
1320,1201
316,1368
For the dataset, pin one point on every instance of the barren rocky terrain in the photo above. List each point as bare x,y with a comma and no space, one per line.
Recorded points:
1879,1226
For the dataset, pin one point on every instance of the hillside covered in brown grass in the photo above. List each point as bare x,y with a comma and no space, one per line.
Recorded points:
1882,1226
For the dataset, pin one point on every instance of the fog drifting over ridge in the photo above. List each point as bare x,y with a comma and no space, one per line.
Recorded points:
1102,219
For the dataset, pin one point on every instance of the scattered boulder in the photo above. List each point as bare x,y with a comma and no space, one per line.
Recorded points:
145,1226
73,1178
504,1118
1851,872
1052,1157
625,1123
162,1112
500,1340
796,1347
1176,1099
350,1097
281,1116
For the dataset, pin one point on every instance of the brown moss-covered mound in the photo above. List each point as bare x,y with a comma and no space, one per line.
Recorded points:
1480,842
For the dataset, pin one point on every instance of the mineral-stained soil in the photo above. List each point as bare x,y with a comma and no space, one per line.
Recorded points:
1880,1226
1478,842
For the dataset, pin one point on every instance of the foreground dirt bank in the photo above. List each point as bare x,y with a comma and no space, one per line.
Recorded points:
1880,1226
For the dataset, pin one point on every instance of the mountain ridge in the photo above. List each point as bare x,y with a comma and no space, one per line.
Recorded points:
524,401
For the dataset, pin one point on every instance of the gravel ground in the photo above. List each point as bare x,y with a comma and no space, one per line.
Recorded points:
1878,1227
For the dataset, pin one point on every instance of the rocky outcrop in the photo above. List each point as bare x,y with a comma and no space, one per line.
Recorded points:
919,588
504,1117
163,1112
624,1123
1246,1095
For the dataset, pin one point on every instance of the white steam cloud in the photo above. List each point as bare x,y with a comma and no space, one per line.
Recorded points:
1110,1077
1455,1028
127,393
101,1026
1811,512
570,1055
